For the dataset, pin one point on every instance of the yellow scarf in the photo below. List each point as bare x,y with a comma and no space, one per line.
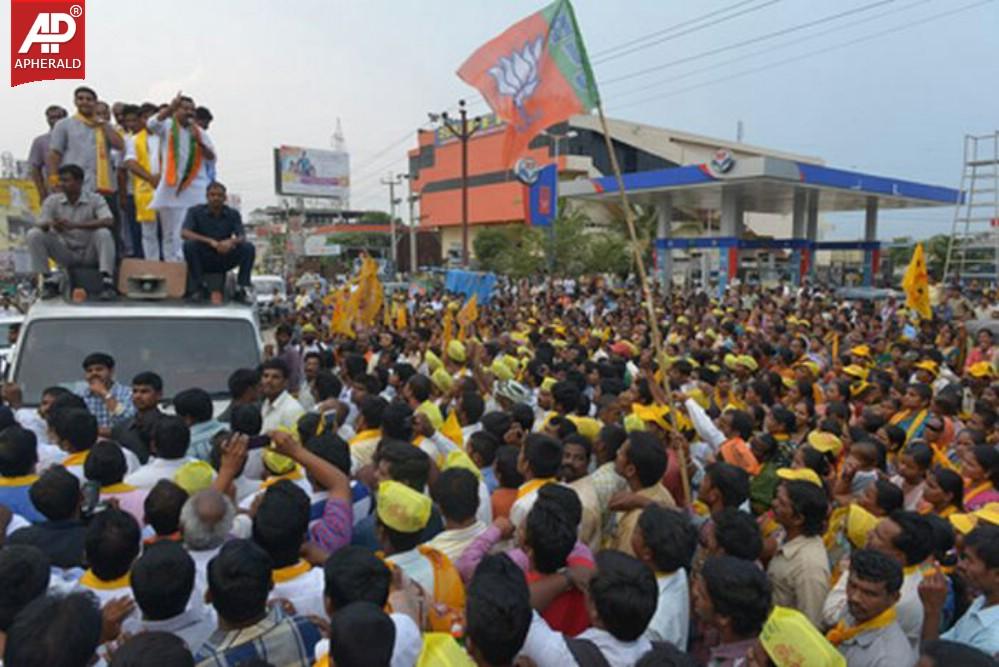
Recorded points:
20,480
120,487
971,494
914,425
76,459
92,581
366,435
283,574
142,189
841,633
104,185
533,485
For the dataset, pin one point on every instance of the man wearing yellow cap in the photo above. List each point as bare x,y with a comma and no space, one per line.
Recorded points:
402,513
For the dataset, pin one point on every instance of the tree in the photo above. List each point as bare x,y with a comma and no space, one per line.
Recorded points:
514,250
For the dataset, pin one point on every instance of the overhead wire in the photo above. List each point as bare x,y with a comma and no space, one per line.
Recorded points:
810,54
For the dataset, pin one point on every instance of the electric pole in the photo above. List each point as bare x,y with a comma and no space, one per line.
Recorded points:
391,182
413,221
463,132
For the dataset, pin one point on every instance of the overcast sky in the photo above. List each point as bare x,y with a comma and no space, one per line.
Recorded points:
862,91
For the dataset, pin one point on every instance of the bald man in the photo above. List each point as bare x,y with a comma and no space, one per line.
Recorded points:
206,523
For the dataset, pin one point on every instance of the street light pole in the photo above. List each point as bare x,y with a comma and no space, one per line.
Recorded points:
463,132
557,139
391,182
413,198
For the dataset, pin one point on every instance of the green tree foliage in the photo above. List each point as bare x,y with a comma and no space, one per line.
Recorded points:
514,250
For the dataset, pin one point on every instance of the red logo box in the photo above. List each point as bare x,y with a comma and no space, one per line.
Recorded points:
47,40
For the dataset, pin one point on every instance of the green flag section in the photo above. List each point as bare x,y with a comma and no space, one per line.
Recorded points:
534,75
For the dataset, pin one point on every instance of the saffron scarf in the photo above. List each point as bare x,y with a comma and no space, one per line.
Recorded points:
174,176
142,189
841,633
104,184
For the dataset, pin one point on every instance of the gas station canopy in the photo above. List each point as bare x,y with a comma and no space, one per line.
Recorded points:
764,185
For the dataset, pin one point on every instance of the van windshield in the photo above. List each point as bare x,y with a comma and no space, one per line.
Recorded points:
185,352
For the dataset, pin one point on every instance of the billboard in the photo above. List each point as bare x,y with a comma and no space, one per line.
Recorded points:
311,172
320,245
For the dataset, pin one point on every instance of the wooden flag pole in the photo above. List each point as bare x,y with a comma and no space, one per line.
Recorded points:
657,341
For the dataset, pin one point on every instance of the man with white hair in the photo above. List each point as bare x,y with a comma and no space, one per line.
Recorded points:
206,522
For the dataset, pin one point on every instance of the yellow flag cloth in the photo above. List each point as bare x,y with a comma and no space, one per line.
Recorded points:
916,284
104,185
142,189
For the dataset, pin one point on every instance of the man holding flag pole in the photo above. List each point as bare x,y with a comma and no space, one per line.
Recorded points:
537,74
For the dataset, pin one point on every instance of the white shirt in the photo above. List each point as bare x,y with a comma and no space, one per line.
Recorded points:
201,560
155,470
195,625
547,648
416,566
152,147
408,642
672,618
194,194
452,543
282,412
132,464
305,592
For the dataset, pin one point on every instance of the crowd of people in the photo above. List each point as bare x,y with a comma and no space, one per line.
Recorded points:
132,181
793,480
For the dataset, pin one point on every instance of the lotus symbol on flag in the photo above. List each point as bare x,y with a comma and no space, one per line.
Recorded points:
516,76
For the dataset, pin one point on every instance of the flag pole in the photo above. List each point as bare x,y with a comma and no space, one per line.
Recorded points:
657,341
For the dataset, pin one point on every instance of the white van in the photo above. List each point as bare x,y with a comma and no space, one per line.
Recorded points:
187,345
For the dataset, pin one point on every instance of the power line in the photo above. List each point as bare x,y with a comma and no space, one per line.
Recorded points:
807,54
622,50
746,42
869,19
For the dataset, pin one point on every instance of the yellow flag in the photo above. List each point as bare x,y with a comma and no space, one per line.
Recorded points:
916,284
400,317
340,323
387,316
367,299
467,315
448,328
451,428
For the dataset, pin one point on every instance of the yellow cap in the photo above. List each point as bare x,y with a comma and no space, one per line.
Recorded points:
859,372
860,351
401,508
588,427
433,361
456,351
929,366
501,370
989,513
459,459
791,640
682,320
547,384
859,523
825,442
309,328
277,464
194,476
442,380
651,413
800,475
730,361
963,523
748,361
633,422
982,369
433,413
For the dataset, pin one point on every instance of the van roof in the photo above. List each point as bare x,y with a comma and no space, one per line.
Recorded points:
60,309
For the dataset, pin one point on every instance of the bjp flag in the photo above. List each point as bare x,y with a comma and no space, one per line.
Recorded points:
916,283
534,75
